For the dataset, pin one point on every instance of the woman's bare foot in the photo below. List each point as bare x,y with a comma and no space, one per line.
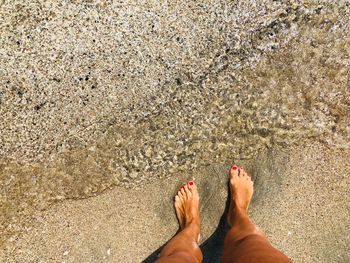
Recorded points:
187,209
245,242
241,186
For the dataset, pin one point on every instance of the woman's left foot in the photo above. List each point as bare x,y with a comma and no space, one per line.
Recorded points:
187,209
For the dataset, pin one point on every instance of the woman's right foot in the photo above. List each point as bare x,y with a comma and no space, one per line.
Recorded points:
241,186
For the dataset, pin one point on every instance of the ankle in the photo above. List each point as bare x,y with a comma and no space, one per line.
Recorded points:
192,230
237,214
194,224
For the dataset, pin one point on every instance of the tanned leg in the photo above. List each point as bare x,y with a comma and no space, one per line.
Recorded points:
245,242
183,248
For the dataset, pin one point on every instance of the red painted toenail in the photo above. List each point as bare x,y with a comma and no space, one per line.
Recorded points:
190,183
234,167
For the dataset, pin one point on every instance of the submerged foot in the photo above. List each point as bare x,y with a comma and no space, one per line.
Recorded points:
241,186
187,209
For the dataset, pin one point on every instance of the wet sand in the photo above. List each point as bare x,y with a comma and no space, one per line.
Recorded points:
300,201
106,98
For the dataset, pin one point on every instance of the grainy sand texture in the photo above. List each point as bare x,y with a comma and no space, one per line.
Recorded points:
106,107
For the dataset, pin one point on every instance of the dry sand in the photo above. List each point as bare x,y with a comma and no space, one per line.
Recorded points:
301,201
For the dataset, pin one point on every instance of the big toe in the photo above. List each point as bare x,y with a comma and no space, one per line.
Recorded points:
234,172
192,187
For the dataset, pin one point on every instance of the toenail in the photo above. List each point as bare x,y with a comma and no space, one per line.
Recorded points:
190,183
234,167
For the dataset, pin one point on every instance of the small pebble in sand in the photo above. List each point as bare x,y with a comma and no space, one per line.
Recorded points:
109,252
65,253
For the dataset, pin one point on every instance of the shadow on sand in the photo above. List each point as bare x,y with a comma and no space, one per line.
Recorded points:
213,247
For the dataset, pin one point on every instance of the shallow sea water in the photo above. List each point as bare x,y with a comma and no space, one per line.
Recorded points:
284,83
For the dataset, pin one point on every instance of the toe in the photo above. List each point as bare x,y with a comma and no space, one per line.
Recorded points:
179,194
234,171
178,191
181,186
188,192
245,174
183,193
194,191
192,186
177,201
242,172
